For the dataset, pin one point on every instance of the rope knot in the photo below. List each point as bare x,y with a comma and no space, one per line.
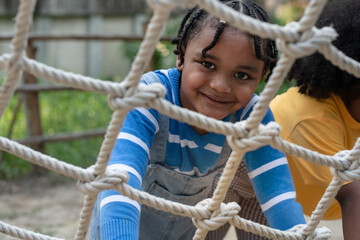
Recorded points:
349,170
322,233
309,41
140,97
103,182
258,137
219,217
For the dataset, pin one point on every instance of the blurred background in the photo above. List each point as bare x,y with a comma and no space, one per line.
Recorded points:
97,38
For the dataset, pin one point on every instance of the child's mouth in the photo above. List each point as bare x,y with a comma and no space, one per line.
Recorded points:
216,101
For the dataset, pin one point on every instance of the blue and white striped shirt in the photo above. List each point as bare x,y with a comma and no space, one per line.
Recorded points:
192,154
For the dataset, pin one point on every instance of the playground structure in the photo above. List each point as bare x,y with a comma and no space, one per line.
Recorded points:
295,40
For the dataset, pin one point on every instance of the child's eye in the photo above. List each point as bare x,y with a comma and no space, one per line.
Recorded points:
241,75
208,65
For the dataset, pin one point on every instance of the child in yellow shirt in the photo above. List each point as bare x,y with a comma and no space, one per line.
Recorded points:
323,114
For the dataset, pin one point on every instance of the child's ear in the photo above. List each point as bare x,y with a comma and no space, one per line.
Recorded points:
178,65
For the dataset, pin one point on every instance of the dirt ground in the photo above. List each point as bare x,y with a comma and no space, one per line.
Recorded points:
37,205
53,208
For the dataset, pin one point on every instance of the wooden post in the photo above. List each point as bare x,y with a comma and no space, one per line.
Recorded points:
32,110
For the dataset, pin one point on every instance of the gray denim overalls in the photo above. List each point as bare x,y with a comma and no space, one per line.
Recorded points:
164,182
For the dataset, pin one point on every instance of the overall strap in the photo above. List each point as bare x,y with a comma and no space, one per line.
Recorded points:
158,148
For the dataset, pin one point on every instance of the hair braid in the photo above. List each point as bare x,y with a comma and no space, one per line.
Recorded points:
219,30
182,25
187,25
257,42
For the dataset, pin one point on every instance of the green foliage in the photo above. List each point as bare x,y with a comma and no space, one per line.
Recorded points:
74,111
287,12
283,88
163,57
67,111
82,152
20,123
12,167
61,112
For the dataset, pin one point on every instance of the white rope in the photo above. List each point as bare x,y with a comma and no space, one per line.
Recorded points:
22,233
295,40
18,43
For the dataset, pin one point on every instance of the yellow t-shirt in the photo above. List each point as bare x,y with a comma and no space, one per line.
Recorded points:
322,126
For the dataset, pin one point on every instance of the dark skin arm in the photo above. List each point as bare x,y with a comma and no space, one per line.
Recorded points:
349,200
349,194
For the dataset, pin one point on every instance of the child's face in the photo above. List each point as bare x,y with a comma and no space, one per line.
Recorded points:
226,79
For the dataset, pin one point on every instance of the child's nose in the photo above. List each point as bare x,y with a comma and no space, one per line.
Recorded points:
221,84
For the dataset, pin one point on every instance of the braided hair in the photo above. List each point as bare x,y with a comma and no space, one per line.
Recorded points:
317,77
196,19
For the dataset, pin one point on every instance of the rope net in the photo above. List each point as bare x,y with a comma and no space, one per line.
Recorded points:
295,40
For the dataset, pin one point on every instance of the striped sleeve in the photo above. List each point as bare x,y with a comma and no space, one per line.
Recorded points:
271,178
120,215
